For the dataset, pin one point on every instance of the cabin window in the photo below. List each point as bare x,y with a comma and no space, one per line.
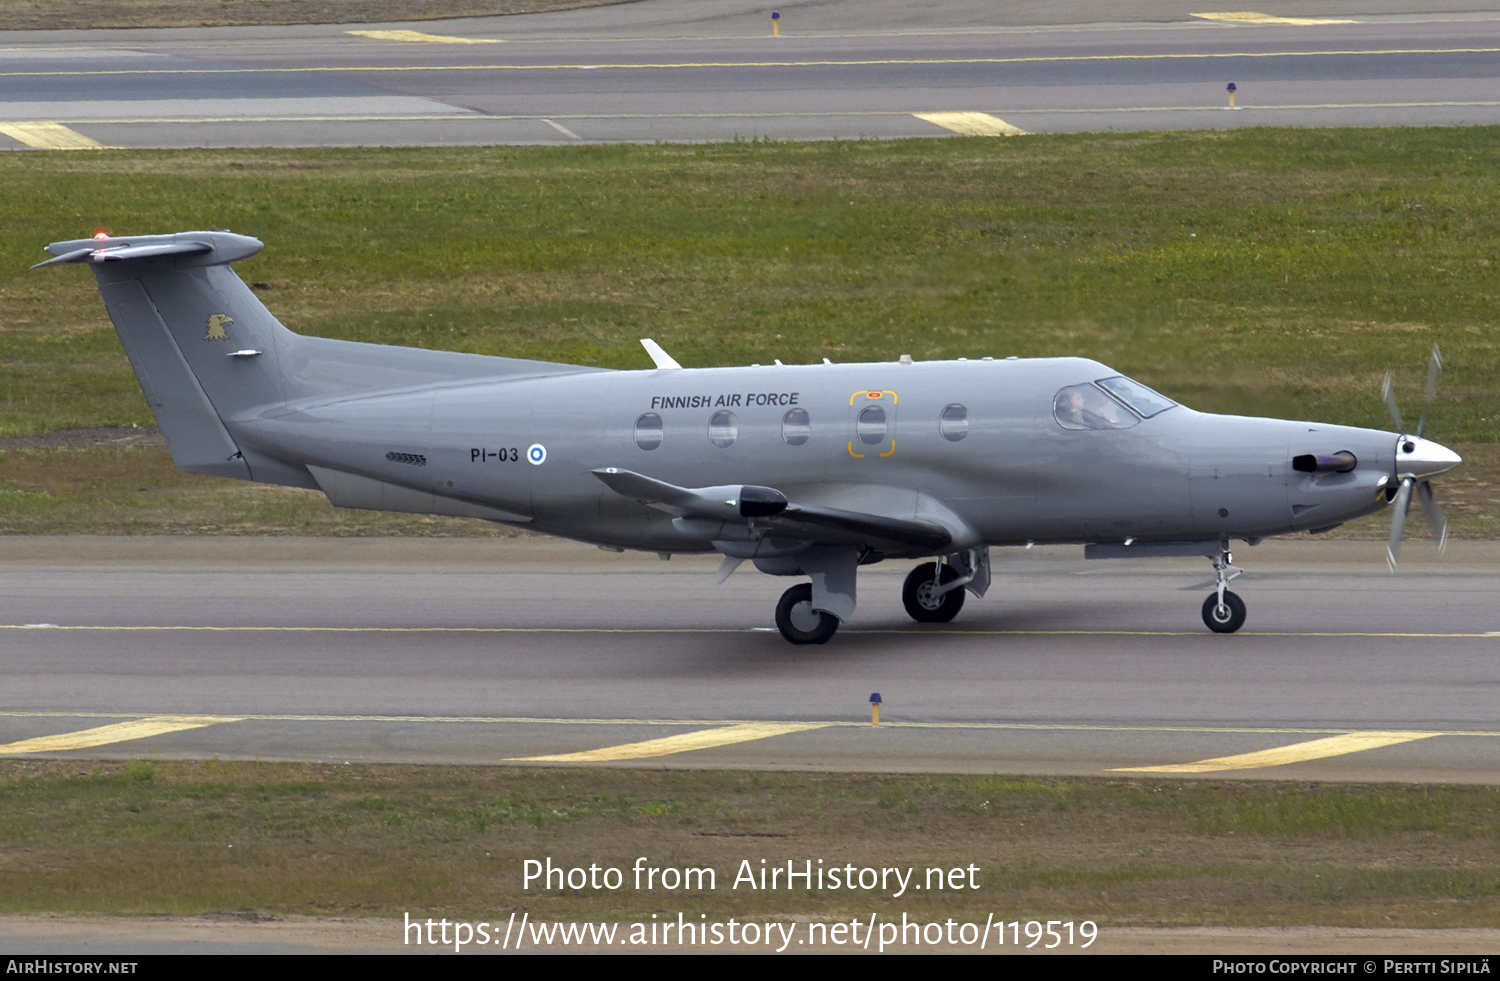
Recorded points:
648,431
869,425
722,429
1085,407
954,423
796,427
1137,396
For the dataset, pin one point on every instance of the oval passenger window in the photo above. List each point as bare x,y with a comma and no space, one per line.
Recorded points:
870,425
954,423
796,427
648,431
722,430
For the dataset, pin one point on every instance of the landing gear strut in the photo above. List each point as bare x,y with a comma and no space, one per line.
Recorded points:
933,598
1223,611
799,622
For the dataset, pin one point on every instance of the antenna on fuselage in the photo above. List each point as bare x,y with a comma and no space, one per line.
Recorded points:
662,358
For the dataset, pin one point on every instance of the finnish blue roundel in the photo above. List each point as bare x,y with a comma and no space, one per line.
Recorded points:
537,454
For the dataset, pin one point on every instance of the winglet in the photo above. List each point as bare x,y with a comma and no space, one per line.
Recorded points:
662,358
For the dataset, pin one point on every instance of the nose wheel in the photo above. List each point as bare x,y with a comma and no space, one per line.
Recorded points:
1223,611
799,622
1226,616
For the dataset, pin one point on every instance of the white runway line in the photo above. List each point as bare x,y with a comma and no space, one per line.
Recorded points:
150,110
563,130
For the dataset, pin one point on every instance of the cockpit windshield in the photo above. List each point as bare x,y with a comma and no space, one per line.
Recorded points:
1137,396
1085,407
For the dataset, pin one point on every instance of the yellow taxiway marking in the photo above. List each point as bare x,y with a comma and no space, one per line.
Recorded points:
906,632
688,741
1250,17
1317,749
971,123
418,36
49,136
120,732
818,63
822,724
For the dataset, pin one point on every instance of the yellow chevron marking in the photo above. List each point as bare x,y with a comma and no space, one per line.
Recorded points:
1316,749
120,732
971,123
428,38
702,739
49,136
1248,17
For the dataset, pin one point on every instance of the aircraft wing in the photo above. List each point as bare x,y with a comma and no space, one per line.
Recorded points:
865,527
773,512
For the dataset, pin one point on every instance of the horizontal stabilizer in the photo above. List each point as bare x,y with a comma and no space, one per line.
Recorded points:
119,253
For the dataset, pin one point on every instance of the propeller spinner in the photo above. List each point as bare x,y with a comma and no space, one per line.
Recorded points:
1417,461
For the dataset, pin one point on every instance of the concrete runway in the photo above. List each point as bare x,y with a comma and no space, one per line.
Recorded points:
473,651
676,70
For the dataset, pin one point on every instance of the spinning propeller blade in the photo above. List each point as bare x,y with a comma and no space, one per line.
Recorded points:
1433,367
1434,513
1390,403
1417,460
1398,522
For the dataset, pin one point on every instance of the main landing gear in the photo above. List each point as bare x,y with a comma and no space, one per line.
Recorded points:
1223,611
810,613
799,622
933,598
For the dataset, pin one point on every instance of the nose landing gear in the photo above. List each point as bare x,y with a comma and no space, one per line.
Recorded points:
1224,611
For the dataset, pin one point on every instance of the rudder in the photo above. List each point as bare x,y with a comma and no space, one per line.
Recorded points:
202,346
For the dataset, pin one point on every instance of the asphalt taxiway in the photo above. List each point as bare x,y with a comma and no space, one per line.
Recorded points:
535,652
671,71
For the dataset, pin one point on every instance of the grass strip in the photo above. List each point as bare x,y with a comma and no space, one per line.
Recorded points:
81,15
183,838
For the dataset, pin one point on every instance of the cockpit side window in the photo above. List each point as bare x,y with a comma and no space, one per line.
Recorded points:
1137,396
1085,407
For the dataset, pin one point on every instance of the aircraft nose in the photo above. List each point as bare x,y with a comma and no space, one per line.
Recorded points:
1422,458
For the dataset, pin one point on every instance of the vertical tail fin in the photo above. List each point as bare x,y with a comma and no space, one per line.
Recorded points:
202,346
211,359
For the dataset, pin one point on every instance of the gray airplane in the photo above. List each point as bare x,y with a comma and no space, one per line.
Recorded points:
805,470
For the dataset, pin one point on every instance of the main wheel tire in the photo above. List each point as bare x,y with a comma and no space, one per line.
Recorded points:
917,595
799,622
1226,620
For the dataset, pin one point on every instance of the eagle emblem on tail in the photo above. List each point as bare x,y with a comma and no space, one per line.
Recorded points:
218,327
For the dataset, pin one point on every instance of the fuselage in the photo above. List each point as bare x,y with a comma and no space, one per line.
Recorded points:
977,446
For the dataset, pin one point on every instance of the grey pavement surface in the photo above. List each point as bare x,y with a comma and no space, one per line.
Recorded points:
675,70
482,651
